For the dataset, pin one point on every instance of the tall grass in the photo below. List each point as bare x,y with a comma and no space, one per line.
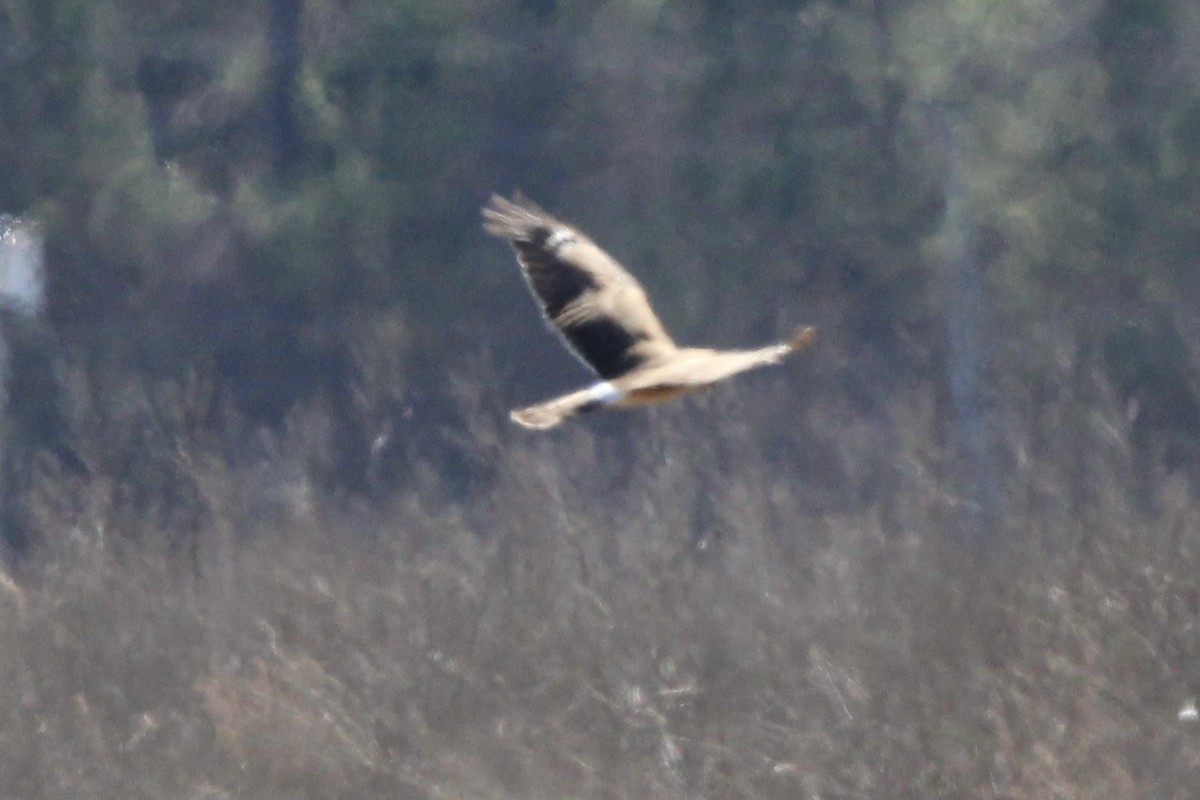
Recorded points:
658,605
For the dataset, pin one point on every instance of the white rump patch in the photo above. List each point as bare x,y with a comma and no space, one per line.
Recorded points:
22,265
605,393
558,237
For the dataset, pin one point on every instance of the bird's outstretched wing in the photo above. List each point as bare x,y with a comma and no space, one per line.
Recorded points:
599,308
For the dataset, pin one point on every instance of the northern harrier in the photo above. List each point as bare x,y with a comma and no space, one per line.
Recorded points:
603,313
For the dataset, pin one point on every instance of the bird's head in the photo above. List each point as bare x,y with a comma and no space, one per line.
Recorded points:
802,338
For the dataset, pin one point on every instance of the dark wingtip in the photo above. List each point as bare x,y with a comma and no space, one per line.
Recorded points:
498,216
514,219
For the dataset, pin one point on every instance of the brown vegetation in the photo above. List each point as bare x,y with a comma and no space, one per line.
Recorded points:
670,619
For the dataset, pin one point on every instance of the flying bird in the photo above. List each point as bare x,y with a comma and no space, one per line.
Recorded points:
603,314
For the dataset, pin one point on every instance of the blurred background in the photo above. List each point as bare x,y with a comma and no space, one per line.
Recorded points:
269,533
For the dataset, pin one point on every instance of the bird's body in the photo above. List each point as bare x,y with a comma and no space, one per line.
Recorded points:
604,315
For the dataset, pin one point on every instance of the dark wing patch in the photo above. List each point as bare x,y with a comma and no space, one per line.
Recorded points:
593,302
606,346
554,285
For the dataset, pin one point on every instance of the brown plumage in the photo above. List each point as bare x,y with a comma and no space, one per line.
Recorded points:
603,313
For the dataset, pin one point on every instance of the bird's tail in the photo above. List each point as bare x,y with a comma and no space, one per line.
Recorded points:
550,413
540,417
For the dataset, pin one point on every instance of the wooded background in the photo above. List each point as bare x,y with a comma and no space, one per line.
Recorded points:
271,534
